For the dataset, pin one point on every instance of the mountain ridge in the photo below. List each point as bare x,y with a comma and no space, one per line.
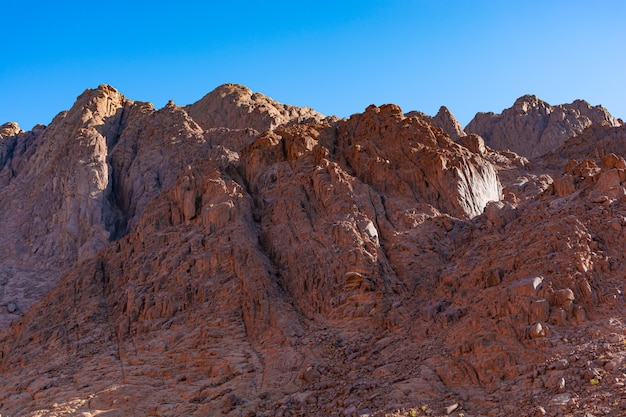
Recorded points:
262,259
552,124
532,127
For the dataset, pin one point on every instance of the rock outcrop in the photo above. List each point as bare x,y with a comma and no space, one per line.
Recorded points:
354,186
445,120
236,107
68,189
533,127
403,157
54,195
9,129
365,266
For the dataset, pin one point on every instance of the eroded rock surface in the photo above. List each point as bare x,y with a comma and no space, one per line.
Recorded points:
365,266
235,106
532,127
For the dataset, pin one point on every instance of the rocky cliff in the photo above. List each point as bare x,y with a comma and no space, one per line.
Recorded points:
443,119
242,257
533,127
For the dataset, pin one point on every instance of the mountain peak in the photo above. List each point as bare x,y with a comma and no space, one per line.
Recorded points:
532,127
9,129
527,98
445,120
235,106
530,102
233,87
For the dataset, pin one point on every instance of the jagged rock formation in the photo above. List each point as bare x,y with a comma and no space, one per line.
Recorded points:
53,195
235,106
369,265
9,129
86,179
533,127
445,120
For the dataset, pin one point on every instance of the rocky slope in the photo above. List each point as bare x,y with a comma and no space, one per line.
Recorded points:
533,127
242,257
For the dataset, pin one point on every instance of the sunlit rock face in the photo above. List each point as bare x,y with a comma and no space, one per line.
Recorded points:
532,127
235,106
408,158
445,120
243,257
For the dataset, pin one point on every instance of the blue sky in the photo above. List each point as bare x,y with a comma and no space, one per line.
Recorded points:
335,56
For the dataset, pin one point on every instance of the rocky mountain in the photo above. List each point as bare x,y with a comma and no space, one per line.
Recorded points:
533,127
235,106
242,257
443,119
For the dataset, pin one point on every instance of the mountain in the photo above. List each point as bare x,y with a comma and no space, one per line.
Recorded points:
445,120
235,106
533,127
238,256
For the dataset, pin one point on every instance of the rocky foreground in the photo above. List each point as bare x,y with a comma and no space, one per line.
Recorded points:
242,257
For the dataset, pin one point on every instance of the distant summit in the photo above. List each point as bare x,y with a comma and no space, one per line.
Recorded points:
532,127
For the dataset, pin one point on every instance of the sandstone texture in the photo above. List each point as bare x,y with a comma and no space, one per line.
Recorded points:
533,127
242,257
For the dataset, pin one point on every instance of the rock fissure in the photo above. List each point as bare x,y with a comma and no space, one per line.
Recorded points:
100,278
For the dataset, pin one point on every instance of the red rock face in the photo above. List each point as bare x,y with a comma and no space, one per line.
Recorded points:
230,260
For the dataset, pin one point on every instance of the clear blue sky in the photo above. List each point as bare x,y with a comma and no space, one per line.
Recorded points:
335,56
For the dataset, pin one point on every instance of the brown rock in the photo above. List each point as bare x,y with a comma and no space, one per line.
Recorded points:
532,127
525,287
539,310
9,129
444,166
445,120
564,185
564,298
611,161
62,213
236,107
315,268
474,143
